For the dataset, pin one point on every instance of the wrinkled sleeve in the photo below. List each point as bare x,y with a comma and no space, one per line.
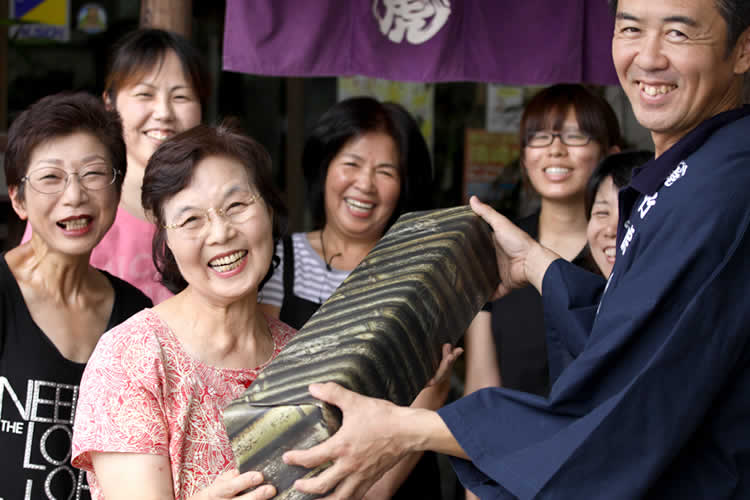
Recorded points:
120,406
570,296
621,412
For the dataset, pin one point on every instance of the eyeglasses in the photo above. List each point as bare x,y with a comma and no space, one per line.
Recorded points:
53,180
571,138
195,223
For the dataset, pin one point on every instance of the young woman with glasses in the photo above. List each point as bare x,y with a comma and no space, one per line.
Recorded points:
565,131
64,167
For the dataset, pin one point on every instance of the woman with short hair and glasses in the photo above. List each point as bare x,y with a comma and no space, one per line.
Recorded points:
64,168
565,131
152,395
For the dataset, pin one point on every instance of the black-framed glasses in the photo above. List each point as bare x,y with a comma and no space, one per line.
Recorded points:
195,223
543,139
53,180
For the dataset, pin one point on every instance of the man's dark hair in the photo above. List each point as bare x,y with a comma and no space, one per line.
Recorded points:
736,13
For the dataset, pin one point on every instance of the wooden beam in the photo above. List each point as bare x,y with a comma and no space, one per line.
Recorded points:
170,15
295,141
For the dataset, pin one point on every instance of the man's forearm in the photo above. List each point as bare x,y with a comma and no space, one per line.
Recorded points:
424,430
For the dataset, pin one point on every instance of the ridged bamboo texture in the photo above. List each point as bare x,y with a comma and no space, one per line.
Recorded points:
379,334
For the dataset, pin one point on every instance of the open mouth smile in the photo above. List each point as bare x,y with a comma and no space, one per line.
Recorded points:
359,206
159,135
75,223
229,262
655,90
557,170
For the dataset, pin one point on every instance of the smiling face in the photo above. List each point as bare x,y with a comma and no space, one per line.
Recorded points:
362,186
158,106
226,261
74,221
602,229
560,172
671,59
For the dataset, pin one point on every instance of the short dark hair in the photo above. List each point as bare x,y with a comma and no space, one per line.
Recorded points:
142,50
61,115
620,167
547,110
171,168
736,14
357,116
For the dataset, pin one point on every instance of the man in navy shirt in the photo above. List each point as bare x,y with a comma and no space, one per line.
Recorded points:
651,370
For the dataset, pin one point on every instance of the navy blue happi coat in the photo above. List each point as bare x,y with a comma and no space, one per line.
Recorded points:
651,370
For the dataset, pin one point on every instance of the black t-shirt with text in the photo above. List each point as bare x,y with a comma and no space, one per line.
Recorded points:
38,395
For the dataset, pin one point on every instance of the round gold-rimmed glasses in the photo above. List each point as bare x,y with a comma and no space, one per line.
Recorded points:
195,222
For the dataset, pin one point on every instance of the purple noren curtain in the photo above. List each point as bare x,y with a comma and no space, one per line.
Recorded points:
515,42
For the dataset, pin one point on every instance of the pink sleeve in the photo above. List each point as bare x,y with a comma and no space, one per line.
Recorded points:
120,406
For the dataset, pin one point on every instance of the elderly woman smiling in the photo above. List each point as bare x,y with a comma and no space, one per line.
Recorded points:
64,165
151,398
158,84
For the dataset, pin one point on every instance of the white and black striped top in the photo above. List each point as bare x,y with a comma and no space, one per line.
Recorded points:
312,281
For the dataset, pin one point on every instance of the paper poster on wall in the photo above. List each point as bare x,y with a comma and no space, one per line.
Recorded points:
92,18
490,169
418,98
45,19
504,107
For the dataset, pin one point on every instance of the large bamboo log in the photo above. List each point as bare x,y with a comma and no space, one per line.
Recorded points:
379,334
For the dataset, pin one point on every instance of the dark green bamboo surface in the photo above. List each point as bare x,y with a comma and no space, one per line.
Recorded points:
379,334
